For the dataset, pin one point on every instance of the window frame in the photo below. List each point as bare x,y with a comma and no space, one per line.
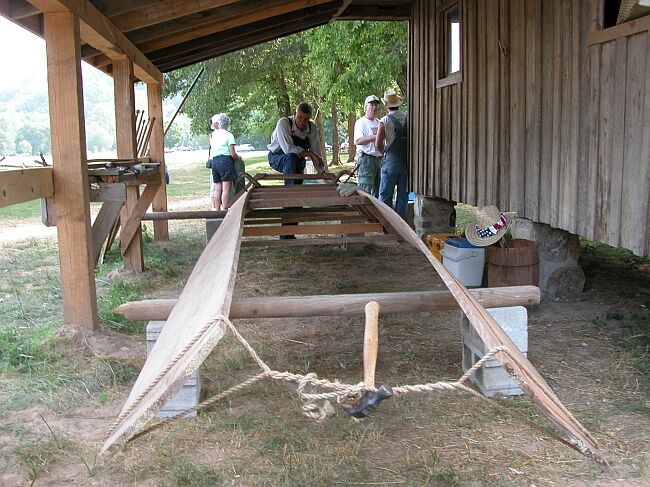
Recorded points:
444,43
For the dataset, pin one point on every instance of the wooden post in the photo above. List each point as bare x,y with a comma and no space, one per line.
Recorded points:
71,188
157,154
126,149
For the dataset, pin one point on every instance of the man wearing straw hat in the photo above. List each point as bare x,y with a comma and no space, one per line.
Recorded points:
391,140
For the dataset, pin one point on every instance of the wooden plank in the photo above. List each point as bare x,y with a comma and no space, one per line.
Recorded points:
618,143
341,304
504,104
634,204
590,118
125,132
533,57
132,226
492,102
556,137
99,32
157,153
311,201
71,199
481,142
618,31
104,221
516,176
645,153
302,242
533,384
108,192
193,327
548,127
470,66
20,185
606,127
344,228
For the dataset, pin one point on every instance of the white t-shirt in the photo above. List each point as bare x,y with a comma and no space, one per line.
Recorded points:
362,128
389,128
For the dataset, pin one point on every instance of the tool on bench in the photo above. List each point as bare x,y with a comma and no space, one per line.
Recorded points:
370,399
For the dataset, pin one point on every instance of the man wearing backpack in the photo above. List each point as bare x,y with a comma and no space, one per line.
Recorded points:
391,141
294,139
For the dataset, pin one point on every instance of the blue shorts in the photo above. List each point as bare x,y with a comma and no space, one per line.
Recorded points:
223,169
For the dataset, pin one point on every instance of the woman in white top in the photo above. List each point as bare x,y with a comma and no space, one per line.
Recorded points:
222,145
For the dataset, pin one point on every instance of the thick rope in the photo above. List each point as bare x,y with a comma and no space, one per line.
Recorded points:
340,392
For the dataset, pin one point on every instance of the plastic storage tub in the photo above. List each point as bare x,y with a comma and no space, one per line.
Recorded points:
464,260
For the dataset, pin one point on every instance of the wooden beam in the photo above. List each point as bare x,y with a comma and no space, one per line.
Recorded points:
104,221
621,30
19,185
304,242
132,226
341,304
108,192
327,228
315,201
157,155
71,195
193,326
162,36
99,32
163,11
131,247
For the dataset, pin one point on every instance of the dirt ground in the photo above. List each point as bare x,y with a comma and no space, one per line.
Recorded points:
586,350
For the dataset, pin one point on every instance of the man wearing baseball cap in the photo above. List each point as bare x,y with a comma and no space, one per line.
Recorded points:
368,157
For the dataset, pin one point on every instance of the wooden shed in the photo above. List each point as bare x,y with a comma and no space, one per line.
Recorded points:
546,111
546,114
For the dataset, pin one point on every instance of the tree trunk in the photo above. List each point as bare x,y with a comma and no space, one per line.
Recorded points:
335,134
284,104
352,149
319,123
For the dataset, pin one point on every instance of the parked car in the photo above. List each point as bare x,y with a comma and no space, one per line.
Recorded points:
344,147
244,148
328,147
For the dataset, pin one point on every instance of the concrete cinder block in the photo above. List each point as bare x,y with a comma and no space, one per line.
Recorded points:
188,395
211,226
493,378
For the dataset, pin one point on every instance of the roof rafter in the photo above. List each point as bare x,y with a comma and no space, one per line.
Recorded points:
97,31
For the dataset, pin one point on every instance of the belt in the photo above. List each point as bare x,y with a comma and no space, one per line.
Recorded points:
369,155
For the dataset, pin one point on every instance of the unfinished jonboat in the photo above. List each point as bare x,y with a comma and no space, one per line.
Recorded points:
198,318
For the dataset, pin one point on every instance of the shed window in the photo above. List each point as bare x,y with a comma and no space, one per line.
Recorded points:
452,34
449,54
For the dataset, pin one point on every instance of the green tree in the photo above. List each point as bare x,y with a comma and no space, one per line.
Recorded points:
37,136
7,138
24,147
334,67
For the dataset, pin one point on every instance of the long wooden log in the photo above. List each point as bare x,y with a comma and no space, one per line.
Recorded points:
341,304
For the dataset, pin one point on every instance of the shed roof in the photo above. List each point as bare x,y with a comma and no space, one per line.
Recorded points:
173,34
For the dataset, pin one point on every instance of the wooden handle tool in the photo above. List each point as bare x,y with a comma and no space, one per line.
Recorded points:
370,343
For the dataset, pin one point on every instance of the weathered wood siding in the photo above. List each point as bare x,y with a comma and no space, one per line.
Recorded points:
540,122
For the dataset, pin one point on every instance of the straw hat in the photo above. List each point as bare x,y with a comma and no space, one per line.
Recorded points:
214,120
490,225
391,99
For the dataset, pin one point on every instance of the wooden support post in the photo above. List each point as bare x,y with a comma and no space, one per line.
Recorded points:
157,154
126,149
71,188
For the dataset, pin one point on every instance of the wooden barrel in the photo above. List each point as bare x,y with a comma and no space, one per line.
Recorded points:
514,265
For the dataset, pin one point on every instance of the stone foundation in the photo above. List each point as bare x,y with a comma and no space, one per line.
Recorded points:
433,215
560,276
